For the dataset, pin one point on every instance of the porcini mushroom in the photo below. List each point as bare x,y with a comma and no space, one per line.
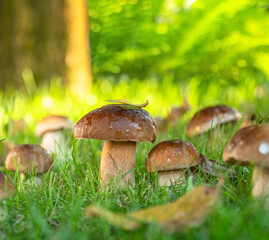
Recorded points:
16,126
171,159
173,116
29,159
50,128
251,145
121,126
7,189
211,117
176,113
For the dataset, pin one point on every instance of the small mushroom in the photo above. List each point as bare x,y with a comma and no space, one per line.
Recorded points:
210,118
7,189
15,126
29,159
173,116
176,113
50,128
121,126
171,159
161,123
251,145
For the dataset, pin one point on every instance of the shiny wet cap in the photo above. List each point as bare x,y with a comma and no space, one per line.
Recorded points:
249,144
211,117
172,155
52,123
27,157
117,122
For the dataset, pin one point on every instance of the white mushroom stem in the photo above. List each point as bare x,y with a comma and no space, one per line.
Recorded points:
34,181
53,141
260,182
167,178
22,177
118,158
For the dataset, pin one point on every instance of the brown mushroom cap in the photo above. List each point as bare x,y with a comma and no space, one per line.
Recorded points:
249,144
172,155
6,186
211,117
117,122
52,123
27,156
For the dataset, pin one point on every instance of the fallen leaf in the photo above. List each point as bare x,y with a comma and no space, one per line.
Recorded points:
188,211
209,167
119,220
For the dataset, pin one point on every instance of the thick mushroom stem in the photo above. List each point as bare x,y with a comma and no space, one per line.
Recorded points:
260,182
52,141
22,178
34,181
167,178
118,162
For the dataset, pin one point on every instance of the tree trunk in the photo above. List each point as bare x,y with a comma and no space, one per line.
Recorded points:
78,50
43,38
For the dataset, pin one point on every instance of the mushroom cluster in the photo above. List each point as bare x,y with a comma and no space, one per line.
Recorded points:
121,125
176,160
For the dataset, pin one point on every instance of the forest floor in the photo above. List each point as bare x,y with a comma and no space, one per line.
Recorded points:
55,210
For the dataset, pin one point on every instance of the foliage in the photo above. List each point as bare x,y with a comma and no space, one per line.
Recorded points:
214,40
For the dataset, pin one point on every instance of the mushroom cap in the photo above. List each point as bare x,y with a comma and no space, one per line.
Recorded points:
249,144
52,123
117,122
211,117
172,155
6,187
27,156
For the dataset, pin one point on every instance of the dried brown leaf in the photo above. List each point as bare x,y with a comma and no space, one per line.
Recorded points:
115,219
188,211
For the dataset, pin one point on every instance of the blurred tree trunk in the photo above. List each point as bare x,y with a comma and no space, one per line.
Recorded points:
78,52
47,38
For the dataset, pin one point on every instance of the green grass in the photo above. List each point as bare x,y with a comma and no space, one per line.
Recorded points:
55,211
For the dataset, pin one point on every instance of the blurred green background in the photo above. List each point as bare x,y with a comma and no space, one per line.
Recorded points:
206,51
213,40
